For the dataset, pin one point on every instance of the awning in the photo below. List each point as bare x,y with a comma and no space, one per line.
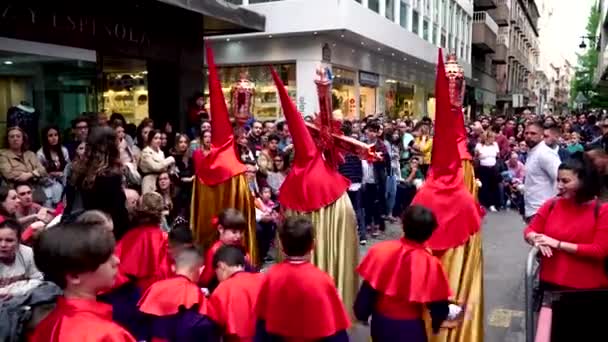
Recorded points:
221,17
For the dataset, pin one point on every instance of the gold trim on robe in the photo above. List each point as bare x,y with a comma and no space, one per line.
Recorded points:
470,182
464,267
336,249
209,201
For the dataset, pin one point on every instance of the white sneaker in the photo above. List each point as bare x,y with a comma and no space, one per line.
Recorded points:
363,242
493,209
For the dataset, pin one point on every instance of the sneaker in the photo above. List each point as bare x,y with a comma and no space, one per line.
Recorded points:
493,209
363,242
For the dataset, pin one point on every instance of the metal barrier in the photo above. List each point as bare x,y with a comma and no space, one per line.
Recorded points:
531,277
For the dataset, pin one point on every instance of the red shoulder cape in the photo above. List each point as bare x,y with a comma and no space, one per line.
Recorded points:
402,269
143,254
232,304
219,165
458,213
165,297
300,300
80,320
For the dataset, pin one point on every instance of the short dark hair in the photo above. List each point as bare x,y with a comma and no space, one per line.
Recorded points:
78,120
232,219
180,235
187,256
230,255
419,223
72,249
373,125
280,125
151,135
555,129
297,235
13,225
18,184
537,124
274,137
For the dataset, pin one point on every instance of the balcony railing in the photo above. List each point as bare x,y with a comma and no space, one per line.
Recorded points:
484,17
503,36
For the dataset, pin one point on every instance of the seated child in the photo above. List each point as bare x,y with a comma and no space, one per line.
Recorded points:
232,304
400,279
175,308
80,259
298,301
145,259
231,225
267,219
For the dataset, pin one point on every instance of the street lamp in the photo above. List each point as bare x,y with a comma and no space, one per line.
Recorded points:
593,39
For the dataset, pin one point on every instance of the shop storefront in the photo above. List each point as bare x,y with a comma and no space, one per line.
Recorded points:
398,97
368,82
63,58
255,83
344,92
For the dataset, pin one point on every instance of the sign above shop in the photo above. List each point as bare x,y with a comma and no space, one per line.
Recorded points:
368,79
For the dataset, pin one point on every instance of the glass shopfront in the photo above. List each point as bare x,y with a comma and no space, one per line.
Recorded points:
126,88
367,93
257,82
343,93
53,90
398,98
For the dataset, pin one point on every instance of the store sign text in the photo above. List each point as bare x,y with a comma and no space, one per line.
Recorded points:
73,23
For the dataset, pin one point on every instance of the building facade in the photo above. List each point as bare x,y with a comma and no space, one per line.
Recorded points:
601,72
382,53
481,90
63,57
516,55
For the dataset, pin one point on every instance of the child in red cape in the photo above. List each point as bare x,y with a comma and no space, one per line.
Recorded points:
232,304
176,307
231,225
298,301
144,255
401,278
80,259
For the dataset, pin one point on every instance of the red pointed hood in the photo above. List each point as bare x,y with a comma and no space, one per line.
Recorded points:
445,157
222,162
311,184
443,191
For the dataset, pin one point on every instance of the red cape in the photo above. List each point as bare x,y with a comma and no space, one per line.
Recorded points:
80,320
458,214
232,304
301,301
144,255
311,183
165,297
405,270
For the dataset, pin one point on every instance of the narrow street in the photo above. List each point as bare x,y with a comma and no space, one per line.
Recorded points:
504,267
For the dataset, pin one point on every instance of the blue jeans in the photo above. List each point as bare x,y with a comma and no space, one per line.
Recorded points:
356,200
391,194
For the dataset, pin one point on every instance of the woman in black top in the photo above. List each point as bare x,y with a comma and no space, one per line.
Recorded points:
98,178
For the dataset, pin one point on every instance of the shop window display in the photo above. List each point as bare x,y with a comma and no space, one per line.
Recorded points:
127,94
344,97
398,98
250,91
38,90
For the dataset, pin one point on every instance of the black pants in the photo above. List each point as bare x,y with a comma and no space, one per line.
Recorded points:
265,232
404,197
356,198
373,203
489,192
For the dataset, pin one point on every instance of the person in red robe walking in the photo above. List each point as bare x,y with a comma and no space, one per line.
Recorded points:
457,239
176,307
80,259
232,304
401,278
297,300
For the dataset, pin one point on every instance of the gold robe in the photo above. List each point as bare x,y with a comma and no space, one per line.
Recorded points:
470,182
209,201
